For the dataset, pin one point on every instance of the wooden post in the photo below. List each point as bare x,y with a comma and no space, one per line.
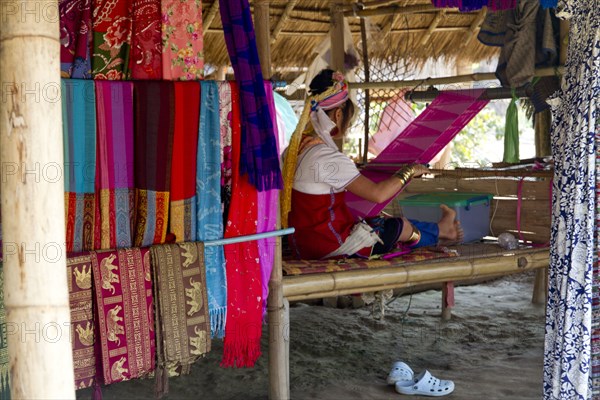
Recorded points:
263,36
279,381
365,51
447,300
33,225
337,43
541,124
337,35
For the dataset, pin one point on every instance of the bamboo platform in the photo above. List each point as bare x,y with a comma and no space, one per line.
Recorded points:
474,263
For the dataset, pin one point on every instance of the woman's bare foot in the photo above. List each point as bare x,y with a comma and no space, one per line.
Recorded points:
450,230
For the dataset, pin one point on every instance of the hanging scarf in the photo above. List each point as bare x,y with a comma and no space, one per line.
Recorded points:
145,61
182,323
244,291
111,27
182,215
75,38
267,219
208,203
315,113
154,128
511,132
123,291
4,368
472,5
225,121
183,41
259,158
114,165
79,141
83,334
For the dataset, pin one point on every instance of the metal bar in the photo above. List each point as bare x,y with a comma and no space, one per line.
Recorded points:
489,94
248,238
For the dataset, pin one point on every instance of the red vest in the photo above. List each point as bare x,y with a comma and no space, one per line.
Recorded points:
322,223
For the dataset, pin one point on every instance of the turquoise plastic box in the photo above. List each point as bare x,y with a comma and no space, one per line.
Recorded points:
472,210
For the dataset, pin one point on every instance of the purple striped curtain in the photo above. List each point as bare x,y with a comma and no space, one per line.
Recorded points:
259,158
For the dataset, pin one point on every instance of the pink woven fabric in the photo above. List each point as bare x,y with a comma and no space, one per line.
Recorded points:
422,140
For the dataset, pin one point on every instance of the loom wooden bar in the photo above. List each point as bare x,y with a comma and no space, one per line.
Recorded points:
316,286
337,35
36,295
532,190
480,76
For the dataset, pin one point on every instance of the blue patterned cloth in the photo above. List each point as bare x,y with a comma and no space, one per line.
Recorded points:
572,317
208,203
259,158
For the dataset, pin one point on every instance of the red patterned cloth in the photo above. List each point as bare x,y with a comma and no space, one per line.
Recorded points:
154,130
243,328
304,267
83,334
145,60
111,26
182,216
125,313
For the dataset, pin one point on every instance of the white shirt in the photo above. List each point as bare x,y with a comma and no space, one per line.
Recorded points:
323,170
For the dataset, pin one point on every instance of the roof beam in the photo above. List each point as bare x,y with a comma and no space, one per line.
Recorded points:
392,31
432,27
392,9
210,16
282,19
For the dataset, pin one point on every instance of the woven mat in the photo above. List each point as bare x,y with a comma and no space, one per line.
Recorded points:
303,267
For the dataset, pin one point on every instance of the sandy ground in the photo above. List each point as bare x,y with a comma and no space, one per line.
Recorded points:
492,349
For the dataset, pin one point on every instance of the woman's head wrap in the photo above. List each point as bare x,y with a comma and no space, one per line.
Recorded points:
314,109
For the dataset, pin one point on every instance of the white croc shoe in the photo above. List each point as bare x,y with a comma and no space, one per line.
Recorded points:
425,384
400,372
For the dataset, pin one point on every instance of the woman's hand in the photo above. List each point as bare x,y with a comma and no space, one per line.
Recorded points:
420,169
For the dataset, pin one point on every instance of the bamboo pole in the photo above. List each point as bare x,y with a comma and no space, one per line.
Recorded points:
31,153
365,51
279,382
542,122
210,16
263,39
337,48
467,266
464,268
476,77
337,35
284,17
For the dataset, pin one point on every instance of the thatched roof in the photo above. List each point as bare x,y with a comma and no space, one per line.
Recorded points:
411,30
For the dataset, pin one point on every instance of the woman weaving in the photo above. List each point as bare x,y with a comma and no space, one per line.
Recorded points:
316,175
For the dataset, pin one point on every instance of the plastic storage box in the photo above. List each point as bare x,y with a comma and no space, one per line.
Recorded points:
472,210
